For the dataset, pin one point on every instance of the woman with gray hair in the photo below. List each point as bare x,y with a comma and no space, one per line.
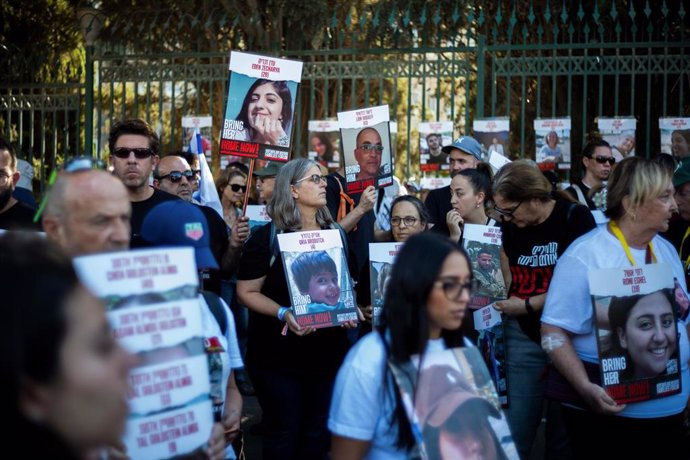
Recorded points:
639,203
293,373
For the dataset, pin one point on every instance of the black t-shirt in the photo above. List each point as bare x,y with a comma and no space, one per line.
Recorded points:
19,217
360,237
585,192
675,233
438,204
218,234
139,211
319,353
532,253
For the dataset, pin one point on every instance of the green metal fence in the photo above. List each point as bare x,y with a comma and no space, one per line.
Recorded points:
447,60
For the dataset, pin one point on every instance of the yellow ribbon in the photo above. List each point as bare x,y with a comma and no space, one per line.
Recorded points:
680,251
617,232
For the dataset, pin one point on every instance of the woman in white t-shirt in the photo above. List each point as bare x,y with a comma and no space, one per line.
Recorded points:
423,310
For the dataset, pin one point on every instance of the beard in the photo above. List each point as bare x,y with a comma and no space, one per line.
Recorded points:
5,196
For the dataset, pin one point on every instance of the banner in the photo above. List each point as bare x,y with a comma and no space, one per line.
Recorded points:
552,139
261,104
381,258
675,136
432,137
493,134
620,133
324,143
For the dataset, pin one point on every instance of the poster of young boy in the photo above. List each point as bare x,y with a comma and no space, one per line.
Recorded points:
204,125
620,133
324,143
366,145
675,136
318,278
637,331
432,137
552,139
261,104
381,258
151,302
493,134
452,406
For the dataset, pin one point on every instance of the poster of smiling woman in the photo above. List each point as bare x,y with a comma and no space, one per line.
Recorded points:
261,104
675,137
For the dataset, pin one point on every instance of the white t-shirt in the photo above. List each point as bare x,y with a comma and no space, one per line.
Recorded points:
362,407
569,305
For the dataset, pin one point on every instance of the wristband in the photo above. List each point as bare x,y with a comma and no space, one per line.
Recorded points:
282,311
528,307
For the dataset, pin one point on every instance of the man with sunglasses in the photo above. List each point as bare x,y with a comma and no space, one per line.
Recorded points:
13,213
134,147
174,176
597,162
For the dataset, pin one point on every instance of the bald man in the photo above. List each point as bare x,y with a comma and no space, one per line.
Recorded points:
368,152
174,175
88,212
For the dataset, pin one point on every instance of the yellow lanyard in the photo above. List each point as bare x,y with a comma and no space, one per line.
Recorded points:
650,257
680,252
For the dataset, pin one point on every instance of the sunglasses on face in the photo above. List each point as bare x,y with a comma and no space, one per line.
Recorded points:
601,160
454,290
237,188
371,147
176,176
139,153
315,178
507,213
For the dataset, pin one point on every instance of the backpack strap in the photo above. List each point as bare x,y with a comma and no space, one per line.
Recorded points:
580,196
271,243
217,308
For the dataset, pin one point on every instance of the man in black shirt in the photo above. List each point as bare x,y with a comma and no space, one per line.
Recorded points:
464,153
14,215
134,147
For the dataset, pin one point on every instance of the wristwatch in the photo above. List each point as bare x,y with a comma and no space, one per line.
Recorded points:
528,307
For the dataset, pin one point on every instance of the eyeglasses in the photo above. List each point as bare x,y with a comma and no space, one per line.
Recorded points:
601,160
375,148
237,187
454,290
509,213
82,163
176,176
315,178
409,221
139,154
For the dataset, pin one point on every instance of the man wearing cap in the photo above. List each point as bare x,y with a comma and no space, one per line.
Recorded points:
88,212
13,213
597,162
678,229
265,181
464,153
178,223
134,147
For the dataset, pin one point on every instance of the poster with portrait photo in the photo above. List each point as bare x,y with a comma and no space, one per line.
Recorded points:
324,143
484,325
675,136
620,133
493,134
381,258
260,109
257,215
318,278
552,139
452,405
151,303
432,137
366,142
637,331
190,124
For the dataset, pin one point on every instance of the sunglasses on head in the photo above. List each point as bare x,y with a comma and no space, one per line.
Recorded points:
601,160
237,188
176,176
139,153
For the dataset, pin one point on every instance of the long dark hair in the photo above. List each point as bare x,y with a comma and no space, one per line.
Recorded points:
405,324
283,91
39,279
325,140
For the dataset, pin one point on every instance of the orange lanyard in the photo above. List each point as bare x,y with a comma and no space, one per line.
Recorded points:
650,257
